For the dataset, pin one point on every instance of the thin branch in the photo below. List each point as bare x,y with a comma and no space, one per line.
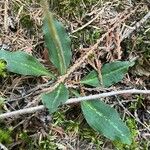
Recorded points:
88,23
2,147
96,96
128,31
6,16
73,100
129,113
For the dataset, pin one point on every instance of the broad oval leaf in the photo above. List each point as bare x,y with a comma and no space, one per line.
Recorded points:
111,73
105,120
22,63
55,98
58,43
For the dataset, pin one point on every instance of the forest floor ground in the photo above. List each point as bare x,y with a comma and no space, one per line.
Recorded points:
21,29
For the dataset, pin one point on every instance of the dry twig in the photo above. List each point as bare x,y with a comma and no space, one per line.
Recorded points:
6,15
73,100
128,31
88,23
2,147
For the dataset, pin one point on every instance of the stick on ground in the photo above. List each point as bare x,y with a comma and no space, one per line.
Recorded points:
73,100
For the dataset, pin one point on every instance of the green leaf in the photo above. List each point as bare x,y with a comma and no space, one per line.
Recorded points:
55,98
58,43
22,63
111,73
91,79
105,120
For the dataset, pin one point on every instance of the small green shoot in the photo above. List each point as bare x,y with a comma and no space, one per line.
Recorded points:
2,69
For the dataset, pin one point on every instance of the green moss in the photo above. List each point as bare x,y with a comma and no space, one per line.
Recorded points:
30,143
15,7
72,8
77,127
5,136
2,68
25,137
136,105
91,136
49,143
1,104
26,22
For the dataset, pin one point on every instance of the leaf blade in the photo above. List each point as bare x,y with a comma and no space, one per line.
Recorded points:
118,70
55,98
111,73
91,79
22,63
105,120
57,42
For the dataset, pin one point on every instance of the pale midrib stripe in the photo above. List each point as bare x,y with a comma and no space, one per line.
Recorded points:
57,95
57,42
107,120
29,67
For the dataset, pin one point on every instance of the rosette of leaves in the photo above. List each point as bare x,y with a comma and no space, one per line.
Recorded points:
99,115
